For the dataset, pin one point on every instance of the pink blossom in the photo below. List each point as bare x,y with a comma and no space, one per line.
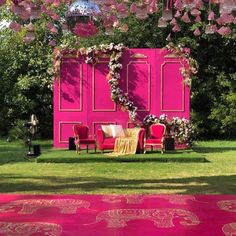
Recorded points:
198,19
195,12
211,16
176,28
185,18
173,21
85,29
52,43
54,30
224,31
197,32
15,26
133,8
177,14
2,2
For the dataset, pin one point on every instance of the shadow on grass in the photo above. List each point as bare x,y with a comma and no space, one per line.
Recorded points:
53,184
17,152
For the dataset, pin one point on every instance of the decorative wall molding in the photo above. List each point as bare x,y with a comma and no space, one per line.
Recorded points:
138,56
60,129
149,81
182,94
81,89
93,90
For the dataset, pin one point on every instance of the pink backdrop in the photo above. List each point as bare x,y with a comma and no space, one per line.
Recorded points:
82,95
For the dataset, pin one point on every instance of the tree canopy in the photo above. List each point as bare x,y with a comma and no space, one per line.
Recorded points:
26,74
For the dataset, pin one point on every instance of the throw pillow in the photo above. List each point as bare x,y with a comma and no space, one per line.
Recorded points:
117,131
107,130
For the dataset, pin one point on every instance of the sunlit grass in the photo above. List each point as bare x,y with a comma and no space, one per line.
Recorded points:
217,176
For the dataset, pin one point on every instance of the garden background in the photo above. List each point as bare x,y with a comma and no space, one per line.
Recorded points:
26,74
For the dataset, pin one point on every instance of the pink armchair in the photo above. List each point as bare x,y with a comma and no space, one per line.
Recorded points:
81,135
157,137
108,143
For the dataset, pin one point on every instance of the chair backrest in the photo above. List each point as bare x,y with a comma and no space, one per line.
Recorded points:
157,131
81,131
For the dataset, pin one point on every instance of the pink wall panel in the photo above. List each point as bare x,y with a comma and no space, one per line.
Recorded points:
152,79
171,75
139,83
71,86
101,100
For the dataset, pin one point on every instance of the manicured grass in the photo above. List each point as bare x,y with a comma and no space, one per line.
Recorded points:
216,176
66,156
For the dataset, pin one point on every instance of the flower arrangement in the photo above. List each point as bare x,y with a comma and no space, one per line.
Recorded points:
181,128
189,65
90,55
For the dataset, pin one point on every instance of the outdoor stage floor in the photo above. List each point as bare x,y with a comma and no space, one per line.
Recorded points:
101,215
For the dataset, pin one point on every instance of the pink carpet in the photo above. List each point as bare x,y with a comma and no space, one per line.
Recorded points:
101,215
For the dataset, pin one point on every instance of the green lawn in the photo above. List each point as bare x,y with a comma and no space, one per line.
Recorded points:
216,176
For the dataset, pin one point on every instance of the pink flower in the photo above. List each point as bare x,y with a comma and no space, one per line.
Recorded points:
176,28
211,16
224,31
195,12
198,19
2,2
185,18
15,26
133,8
54,30
177,14
173,21
197,32
85,29
52,43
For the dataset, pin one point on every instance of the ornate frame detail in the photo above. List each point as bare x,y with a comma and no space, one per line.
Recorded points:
183,90
81,89
149,81
66,122
93,91
138,56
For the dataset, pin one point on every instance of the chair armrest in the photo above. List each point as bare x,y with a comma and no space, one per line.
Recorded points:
100,136
141,137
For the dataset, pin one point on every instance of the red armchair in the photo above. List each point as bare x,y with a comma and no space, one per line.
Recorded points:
81,135
157,138
108,143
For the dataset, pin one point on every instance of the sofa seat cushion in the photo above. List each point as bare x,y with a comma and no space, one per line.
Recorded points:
85,141
109,141
153,141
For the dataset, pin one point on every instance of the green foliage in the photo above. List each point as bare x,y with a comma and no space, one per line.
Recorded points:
25,81
18,131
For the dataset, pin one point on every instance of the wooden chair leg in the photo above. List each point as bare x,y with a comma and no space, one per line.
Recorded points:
162,149
78,148
144,149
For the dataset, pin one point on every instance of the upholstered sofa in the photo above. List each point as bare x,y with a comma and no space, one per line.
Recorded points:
108,143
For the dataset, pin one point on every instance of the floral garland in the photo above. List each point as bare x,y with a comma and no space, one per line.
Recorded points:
91,57
181,128
189,65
